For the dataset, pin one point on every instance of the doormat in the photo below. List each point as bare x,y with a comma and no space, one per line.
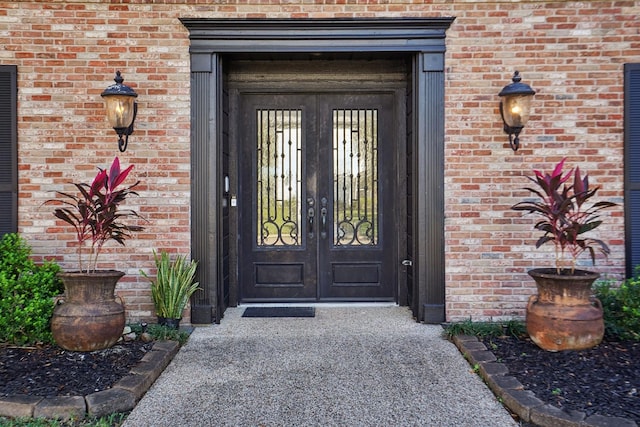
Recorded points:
279,312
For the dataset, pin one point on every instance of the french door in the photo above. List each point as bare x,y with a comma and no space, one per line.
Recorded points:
317,217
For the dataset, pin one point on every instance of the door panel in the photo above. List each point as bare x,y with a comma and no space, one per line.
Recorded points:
356,259
276,262
317,198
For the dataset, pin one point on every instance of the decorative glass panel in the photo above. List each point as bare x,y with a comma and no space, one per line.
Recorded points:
355,168
279,171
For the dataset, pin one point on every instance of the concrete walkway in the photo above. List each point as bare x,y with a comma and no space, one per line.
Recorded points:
348,366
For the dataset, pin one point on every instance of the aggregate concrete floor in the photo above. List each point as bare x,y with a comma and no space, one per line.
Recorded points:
353,365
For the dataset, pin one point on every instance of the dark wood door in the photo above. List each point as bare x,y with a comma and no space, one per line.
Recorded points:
317,216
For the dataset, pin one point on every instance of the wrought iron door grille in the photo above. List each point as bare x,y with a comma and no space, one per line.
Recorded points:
355,169
279,172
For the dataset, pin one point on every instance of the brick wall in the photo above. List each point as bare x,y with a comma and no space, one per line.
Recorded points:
571,53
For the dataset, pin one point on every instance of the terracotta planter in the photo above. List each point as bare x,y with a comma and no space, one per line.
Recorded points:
88,317
564,315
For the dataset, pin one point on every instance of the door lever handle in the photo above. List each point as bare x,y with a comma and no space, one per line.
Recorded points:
323,218
311,213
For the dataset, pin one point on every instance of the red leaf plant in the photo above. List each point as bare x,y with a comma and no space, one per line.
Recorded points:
565,215
95,213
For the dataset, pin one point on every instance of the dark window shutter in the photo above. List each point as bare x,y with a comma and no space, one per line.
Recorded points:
8,150
632,165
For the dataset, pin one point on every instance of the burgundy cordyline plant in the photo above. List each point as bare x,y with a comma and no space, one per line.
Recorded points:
95,213
566,216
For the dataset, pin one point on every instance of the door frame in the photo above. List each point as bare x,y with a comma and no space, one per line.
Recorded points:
423,39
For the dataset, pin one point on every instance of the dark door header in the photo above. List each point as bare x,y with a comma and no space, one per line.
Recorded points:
317,35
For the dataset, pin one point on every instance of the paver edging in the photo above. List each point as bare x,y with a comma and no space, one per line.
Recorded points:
521,402
121,397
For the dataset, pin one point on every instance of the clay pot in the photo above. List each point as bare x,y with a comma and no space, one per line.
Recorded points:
88,317
564,315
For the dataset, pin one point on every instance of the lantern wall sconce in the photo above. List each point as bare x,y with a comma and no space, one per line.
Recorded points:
121,109
515,107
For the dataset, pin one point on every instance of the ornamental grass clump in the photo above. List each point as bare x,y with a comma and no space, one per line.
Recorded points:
173,285
95,213
565,215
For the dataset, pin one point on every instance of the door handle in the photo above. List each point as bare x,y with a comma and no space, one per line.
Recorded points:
311,213
323,217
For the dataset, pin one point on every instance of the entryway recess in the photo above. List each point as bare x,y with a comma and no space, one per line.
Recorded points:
318,162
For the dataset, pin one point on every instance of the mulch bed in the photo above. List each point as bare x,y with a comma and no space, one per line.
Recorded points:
603,380
50,371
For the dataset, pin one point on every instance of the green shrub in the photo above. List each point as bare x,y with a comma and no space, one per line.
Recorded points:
15,254
482,330
621,307
26,293
162,333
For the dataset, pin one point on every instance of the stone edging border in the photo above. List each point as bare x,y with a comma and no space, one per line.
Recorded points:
122,397
524,403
